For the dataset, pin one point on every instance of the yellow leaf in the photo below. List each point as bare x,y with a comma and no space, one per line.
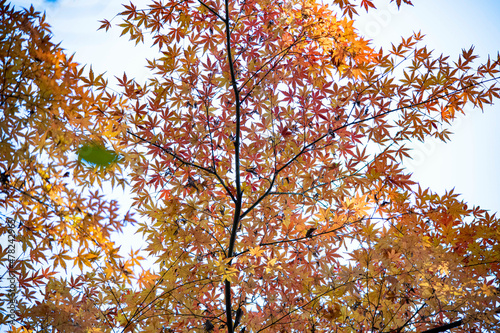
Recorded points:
256,251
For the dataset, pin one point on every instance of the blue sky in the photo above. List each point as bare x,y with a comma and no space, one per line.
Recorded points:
469,163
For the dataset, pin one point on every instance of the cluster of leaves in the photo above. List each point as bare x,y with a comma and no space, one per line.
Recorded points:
264,158
46,115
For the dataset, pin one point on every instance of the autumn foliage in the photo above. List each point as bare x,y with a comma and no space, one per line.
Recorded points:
263,157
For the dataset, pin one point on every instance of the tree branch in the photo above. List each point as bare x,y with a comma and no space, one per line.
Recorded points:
306,148
180,159
211,10
239,193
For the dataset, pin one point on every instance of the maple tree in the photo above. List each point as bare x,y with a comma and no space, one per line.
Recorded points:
264,160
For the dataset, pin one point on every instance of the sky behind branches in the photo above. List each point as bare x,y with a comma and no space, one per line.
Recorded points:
470,163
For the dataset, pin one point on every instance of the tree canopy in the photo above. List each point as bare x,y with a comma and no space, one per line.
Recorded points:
263,157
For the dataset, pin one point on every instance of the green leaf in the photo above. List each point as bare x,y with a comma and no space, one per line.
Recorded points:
96,154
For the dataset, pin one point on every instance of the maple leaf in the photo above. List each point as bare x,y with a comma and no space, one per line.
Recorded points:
105,25
367,4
